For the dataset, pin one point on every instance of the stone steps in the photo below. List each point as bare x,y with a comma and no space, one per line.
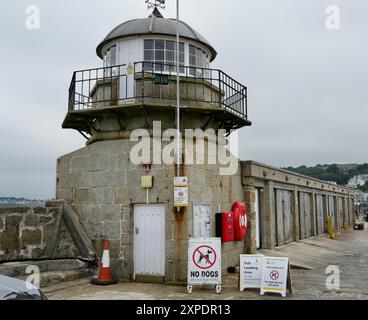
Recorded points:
52,278
51,271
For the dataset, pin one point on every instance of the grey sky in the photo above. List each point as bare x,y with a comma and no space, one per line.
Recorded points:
307,85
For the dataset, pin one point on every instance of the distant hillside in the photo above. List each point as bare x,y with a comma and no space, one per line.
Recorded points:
339,173
6,202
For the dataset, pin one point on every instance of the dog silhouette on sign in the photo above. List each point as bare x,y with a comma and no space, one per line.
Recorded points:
205,257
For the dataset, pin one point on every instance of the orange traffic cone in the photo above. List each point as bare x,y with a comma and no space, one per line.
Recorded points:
105,277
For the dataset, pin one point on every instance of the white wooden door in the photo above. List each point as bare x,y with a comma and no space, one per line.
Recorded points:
149,240
129,54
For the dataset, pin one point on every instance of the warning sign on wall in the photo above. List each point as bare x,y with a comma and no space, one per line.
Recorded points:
181,197
251,266
204,261
275,275
180,181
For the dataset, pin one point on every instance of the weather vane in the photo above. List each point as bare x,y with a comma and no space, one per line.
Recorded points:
155,3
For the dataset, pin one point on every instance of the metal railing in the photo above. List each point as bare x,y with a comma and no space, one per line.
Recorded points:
149,82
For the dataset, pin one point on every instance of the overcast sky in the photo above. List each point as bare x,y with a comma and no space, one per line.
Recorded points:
307,85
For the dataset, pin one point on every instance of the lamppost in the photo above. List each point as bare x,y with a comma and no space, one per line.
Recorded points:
161,4
178,137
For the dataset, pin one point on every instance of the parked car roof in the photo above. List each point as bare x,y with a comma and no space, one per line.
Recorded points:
14,289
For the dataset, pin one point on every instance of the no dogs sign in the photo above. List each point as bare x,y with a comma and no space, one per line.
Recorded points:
204,261
275,275
181,197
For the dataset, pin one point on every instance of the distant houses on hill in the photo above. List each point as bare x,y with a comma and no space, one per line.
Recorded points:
359,180
8,202
361,198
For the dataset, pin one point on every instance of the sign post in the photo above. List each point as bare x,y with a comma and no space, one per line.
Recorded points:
251,266
204,263
275,275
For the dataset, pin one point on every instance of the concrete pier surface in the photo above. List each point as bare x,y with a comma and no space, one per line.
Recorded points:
348,251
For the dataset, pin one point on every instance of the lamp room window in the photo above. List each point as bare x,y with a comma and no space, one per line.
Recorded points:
199,60
160,55
110,57
110,60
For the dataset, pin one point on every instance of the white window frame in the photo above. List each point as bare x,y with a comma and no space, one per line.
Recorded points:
107,56
165,61
204,57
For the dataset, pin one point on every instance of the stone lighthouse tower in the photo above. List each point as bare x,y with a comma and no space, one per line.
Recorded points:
121,185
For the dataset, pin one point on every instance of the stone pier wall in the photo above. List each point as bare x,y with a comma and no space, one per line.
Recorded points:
29,233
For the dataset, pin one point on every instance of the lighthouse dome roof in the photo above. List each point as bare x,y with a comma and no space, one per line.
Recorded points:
155,24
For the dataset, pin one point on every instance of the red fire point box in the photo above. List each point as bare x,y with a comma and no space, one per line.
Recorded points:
228,231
